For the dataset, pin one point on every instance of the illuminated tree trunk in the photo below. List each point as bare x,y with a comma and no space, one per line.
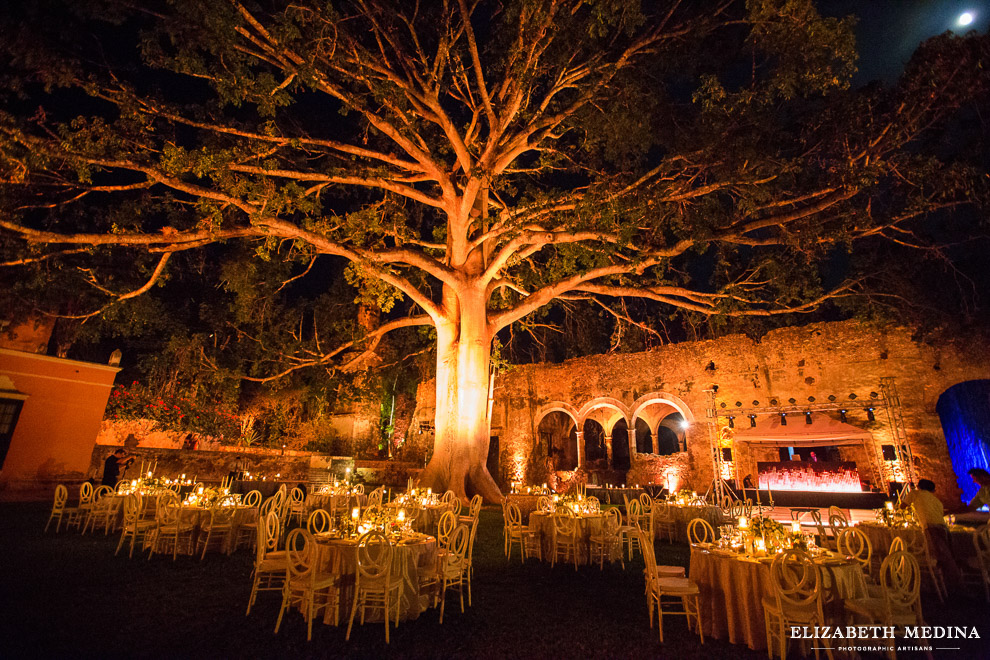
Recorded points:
460,451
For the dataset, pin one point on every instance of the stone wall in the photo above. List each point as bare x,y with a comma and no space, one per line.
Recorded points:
207,465
819,360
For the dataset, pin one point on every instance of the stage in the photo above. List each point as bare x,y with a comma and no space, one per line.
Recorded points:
816,498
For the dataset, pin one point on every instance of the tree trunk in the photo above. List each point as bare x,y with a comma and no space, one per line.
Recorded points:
460,451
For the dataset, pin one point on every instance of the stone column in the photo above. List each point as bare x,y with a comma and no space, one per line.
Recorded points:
580,447
656,440
632,444
608,449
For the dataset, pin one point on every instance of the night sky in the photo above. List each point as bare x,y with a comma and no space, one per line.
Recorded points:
888,31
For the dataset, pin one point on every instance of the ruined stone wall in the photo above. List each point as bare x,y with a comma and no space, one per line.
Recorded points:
816,360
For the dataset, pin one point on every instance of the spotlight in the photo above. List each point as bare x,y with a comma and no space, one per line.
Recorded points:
807,418
783,419
752,421
869,415
842,416
732,422
685,425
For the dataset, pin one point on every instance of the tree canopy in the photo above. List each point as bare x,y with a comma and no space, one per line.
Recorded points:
472,161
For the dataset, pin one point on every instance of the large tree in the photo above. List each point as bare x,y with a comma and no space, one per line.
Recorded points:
475,160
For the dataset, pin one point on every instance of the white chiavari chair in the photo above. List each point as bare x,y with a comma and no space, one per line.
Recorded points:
665,592
565,539
608,542
219,529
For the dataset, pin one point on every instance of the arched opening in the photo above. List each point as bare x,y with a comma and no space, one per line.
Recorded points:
644,437
620,445
964,410
595,453
558,440
670,435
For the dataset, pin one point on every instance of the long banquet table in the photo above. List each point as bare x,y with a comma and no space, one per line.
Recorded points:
732,588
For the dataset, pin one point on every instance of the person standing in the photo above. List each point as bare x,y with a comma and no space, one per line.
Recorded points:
930,514
114,466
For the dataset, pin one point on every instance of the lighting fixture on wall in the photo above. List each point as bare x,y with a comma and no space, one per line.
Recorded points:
807,418
870,416
732,422
783,419
842,416
752,421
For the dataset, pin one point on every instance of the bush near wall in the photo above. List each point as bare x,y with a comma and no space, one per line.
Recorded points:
138,402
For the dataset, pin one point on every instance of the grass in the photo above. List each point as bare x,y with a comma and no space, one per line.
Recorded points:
66,595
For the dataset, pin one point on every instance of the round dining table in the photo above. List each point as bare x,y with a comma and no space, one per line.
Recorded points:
881,536
413,554
732,587
588,525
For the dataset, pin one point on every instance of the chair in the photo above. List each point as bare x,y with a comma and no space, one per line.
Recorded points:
824,539
544,504
699,531
270,564
375,586
854,543
297,505
981,541
134,527
248,531
304,585
795,599
915,541
667,591
253,498
319,522
359,489
454,568
76,516
664,522
101,513
608,541
646,502
58,507
899,603
218,530
513,529
630,530
565,539
170,528
837,522
474,509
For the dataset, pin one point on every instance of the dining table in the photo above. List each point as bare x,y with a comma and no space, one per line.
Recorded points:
413,554
881,536
682,515
588,525
732,587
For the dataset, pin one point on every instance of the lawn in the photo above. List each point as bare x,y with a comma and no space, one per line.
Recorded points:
66,595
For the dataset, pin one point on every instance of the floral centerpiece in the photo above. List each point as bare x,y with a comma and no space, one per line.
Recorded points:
893,517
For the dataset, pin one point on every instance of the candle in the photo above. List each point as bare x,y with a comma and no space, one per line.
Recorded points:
354,513
199,490
402,515
429,492
183,476
760,546
889,505
149,474
795,527
133,483
743,523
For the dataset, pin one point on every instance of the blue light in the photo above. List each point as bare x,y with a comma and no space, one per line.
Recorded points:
965,413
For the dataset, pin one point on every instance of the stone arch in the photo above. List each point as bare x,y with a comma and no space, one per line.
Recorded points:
604,402
667,398
555,406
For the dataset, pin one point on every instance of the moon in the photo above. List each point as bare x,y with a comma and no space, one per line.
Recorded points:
965,18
